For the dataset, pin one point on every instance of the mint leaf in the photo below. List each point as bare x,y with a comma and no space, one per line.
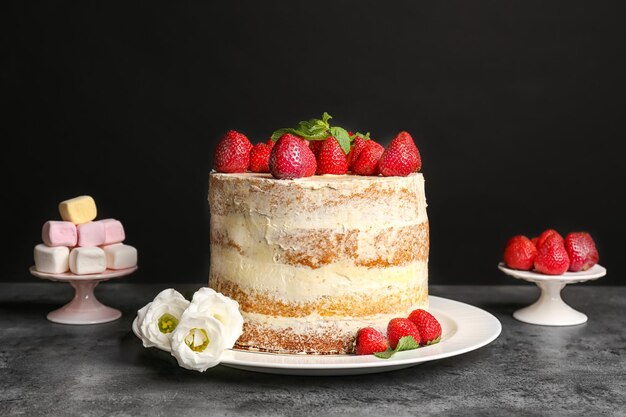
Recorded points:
313,129
365,136
405,343
278,133
342,137
385,355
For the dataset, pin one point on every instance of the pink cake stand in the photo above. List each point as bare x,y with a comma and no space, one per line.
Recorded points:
84,307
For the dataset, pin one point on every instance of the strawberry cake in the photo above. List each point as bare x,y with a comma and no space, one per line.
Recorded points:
313,255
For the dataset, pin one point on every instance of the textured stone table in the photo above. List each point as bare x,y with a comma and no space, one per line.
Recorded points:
48,369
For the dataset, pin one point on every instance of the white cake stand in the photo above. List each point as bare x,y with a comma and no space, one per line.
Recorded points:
550,309
84,307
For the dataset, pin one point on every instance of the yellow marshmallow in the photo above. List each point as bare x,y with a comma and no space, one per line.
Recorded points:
78,210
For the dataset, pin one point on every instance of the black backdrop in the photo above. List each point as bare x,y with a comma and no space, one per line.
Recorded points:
515,106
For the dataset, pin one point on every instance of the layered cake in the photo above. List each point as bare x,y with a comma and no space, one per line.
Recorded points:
314,259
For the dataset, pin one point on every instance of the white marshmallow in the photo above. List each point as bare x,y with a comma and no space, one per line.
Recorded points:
87,260
53,260
120,256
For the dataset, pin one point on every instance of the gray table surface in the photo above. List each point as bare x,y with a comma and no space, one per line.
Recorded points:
103,370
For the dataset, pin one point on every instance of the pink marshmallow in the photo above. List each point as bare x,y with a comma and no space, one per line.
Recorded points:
113,231
57,233
91,234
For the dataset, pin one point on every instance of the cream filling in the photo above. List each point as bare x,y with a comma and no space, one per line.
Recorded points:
318,324
341,220
258,236
300,284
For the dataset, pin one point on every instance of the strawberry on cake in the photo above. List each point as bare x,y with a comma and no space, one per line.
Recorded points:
327,235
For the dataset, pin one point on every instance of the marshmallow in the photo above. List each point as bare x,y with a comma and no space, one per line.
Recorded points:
91,234
78,210
55,233
90,260
113,231
120,256
53,260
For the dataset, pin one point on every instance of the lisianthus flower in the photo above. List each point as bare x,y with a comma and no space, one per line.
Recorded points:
159,318
197,343
222,308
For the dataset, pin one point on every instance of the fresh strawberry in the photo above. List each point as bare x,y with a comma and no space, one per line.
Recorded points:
291,158
545,235
552,258
270,143
232,153
401,157
581,250
520,253
367,161
535,240
427,325
331,159
406,138
315,146
370,340
260,157
400,327
355,150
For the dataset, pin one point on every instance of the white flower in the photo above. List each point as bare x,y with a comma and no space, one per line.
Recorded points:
198,341
224,309
158,319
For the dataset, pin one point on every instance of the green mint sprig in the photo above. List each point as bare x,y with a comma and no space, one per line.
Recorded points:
318,129
313,129
405,343
364,136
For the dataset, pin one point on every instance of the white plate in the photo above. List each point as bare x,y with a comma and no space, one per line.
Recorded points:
465,328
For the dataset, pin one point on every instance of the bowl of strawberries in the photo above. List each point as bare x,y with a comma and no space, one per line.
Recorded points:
552,261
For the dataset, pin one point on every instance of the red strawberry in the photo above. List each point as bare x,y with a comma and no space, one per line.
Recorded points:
270,143
535,240
370,340
545,235
427,325
520,253
552,258
355,150
331,159
291,158
401,157
367,161
315,146
581,250
232,153
260,157
400,327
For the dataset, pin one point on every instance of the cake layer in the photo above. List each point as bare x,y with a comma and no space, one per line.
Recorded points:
295,297
338,202
369,246
312,334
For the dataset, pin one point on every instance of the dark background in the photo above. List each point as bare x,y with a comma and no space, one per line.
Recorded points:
516,108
